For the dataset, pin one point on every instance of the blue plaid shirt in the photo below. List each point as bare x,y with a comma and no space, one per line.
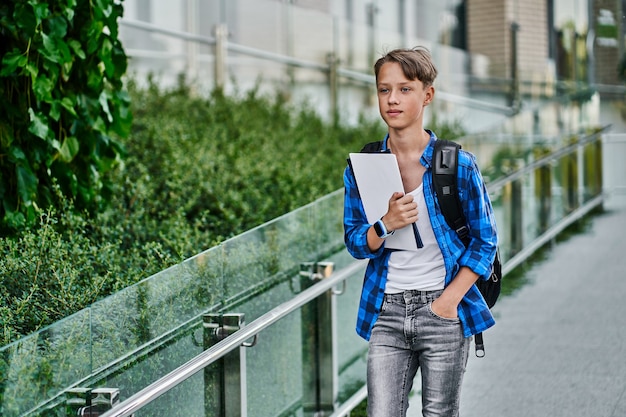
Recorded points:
473,312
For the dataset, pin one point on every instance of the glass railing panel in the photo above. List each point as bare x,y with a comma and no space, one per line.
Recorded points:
187,399
143,313
351,348
592,170
143,370
263,258
275,369
328,224
35,370
180,294
100,343
502,207
264,263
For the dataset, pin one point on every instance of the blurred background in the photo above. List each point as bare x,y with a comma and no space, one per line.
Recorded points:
495,57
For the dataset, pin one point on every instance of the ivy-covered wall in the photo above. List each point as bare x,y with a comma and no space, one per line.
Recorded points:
63,106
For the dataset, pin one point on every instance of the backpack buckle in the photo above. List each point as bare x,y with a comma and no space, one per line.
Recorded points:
463,232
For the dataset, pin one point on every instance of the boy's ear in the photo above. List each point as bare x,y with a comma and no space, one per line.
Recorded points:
430,95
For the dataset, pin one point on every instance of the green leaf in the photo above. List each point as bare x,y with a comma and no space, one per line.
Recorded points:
38,124
94,80
43,89
26,184
55,110
55,145
107,59
57,27
99,125
68,104
55,49
94,31
104,103
69,149
50,49
25,18
67,70
69,10
40,10
120,61
11,61
16,155
77,48
31,69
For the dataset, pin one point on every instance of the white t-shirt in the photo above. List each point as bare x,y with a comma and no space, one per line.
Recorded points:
422,269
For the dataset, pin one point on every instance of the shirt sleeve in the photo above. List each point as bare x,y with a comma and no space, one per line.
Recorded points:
355,223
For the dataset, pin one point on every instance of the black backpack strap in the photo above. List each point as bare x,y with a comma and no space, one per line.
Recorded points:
445,163
373,147
480,345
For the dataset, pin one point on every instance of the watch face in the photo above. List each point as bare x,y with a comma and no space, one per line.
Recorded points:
379,230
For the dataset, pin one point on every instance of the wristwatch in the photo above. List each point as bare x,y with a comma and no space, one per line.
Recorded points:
381,230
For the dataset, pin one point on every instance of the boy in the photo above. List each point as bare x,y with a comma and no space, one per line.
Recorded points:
418,308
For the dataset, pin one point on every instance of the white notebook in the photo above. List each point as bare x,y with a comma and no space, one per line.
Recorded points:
378,177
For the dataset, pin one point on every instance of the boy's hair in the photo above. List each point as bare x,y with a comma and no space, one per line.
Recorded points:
416,64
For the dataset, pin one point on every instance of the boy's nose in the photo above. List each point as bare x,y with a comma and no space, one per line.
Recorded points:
393,98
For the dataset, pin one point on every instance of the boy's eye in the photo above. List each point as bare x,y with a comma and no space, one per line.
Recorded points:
405,89
383,90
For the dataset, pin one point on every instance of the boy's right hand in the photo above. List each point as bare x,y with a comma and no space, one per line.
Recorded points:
402,211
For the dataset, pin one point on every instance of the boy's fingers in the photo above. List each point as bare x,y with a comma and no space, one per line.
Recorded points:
396,196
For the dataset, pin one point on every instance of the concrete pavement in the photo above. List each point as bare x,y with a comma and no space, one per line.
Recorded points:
559,346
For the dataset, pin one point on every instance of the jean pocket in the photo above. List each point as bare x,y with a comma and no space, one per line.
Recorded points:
453,320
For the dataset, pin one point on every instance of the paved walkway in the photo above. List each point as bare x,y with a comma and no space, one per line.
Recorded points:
559,345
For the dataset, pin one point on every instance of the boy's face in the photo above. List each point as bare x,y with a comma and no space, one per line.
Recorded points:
401,101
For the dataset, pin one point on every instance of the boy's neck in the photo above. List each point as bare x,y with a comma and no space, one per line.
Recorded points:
408,141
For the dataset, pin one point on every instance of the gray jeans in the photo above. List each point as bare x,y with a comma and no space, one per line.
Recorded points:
406,337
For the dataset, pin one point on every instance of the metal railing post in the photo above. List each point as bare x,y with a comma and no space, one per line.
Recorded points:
221,53
191,47
514,101
225,392
333,83
319,364
570,181
543,193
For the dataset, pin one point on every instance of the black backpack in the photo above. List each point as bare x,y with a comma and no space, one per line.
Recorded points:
445,158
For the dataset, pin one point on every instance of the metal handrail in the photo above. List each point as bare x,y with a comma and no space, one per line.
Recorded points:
138,24
231,46
230,343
